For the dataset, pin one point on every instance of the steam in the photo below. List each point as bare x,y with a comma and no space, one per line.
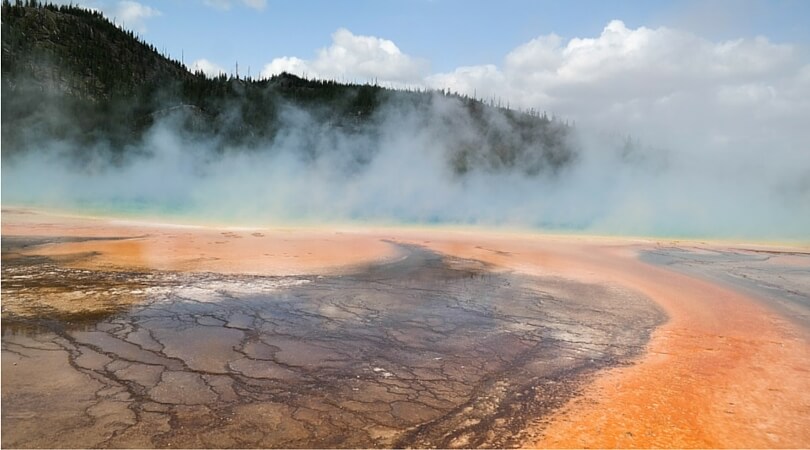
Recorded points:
399,171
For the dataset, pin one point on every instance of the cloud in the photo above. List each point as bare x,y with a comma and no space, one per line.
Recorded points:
255,4
126,13
133,14
286,64
228,4
619,65
485,81
355,58
209,68
669,87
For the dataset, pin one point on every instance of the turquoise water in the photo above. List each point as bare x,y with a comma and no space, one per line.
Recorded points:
164,212
184,214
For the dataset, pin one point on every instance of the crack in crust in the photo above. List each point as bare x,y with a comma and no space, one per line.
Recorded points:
427,351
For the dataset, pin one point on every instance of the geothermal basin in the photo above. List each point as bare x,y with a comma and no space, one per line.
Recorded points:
139,335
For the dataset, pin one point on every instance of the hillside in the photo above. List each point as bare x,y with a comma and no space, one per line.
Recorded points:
73,77
73,50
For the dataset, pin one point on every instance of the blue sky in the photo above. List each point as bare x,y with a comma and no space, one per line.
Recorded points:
446,33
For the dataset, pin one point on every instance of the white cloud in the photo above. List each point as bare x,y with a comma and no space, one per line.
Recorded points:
126,13
486,81
209,68
132,14
255,4
354,57
619,65
228,4
285,64
667,86
540,54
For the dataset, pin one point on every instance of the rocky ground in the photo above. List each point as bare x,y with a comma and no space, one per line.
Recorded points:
427,351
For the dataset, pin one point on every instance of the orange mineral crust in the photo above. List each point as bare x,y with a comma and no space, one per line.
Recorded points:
724,371
155,246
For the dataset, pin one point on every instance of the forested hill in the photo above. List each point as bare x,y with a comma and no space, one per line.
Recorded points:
78,51
72,76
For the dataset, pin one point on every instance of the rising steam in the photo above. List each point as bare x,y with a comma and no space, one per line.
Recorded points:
400,170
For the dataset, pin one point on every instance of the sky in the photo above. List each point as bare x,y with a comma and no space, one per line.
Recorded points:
567,57
445,33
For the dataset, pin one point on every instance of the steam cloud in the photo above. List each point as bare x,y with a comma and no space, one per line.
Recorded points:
398,171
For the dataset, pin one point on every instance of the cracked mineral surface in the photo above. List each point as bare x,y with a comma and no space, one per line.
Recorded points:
781,279
424,351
